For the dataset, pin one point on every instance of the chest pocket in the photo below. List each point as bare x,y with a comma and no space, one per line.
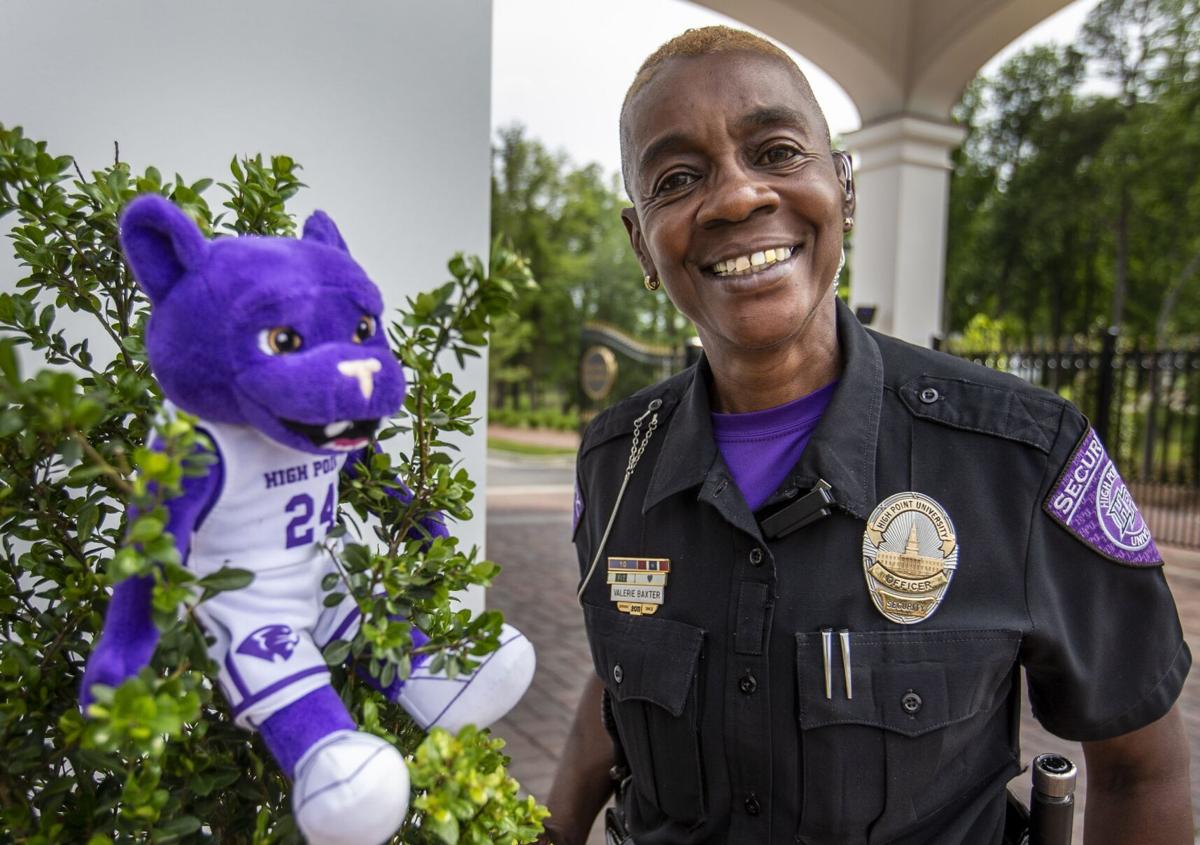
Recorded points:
928,723
650,668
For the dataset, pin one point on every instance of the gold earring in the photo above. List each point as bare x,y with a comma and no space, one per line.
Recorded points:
848,224
651,283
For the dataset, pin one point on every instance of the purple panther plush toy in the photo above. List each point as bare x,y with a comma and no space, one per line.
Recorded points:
276,344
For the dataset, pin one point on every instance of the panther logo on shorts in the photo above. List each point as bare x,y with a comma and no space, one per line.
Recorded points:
269,642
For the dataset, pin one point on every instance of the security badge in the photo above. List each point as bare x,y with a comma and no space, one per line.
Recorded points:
638,584
910,552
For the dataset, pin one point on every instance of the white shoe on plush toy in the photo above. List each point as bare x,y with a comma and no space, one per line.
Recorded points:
351,788
479,698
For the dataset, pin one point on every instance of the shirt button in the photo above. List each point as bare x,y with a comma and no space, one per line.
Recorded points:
911,702
748,683
756,556
618,673
929,395
753,808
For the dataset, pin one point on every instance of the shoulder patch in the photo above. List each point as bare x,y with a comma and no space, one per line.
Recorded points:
1092,502
577,508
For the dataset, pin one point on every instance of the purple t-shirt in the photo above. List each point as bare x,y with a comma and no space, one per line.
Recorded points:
761,447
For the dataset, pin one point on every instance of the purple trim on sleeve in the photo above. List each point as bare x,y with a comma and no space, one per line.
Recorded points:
1092,502
296,728
276,687
215,479
346,623
761,447
196,499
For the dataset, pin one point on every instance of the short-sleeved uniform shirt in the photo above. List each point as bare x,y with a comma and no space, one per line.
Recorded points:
762,694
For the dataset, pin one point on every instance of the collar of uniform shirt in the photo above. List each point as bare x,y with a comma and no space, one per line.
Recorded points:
842,448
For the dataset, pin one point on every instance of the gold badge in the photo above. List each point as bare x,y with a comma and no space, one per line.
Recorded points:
910,553
638,584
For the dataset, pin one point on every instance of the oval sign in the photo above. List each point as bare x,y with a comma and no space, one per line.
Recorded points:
598,372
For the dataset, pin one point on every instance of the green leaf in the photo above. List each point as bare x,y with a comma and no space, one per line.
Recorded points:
337,652
226,578
9,367
175,829
145,529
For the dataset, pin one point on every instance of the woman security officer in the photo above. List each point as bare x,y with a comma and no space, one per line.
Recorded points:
812,564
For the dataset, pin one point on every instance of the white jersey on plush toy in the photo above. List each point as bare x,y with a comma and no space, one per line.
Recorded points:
275,504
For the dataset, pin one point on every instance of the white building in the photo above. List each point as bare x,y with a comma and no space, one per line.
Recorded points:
386,105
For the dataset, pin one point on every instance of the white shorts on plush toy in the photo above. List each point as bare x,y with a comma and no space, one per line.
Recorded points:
351,788
478,698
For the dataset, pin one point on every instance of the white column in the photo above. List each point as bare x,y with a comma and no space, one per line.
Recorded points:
899,255
367,97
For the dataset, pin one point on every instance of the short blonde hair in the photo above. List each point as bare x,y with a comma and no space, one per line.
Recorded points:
705,41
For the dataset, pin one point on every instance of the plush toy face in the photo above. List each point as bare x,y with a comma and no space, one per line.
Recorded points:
281,334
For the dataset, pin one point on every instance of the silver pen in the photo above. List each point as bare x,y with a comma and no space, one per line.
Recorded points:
827,647
844,636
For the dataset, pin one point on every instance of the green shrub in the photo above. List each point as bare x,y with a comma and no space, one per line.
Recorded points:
159,760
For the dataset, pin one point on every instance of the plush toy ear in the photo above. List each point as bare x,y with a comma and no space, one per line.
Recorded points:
318,227
161,244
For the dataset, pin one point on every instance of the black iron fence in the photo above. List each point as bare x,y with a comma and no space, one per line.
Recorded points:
1145,405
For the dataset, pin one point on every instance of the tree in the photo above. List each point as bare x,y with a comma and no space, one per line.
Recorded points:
159,759
1073,210
566,219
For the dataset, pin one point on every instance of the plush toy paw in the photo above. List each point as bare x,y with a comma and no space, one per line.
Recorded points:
351,788
128,641
111,666
478,698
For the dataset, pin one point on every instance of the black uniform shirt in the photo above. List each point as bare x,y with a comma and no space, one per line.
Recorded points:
720,692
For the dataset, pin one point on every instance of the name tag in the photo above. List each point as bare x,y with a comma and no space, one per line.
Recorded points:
638,586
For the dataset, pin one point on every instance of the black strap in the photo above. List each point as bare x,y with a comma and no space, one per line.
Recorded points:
816,504
620,769
615,830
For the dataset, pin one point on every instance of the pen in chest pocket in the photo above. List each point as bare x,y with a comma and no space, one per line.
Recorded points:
843,635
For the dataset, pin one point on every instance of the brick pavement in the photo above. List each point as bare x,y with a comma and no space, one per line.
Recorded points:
535,436
527,533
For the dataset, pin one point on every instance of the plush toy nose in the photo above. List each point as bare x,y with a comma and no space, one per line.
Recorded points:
364,370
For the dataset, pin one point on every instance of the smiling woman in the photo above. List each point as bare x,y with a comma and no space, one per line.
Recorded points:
830,553
729,159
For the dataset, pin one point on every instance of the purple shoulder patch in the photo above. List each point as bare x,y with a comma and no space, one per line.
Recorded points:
577,510
1092,502
269,642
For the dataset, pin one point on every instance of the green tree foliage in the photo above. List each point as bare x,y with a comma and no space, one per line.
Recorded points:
159,759
566,220
1075,201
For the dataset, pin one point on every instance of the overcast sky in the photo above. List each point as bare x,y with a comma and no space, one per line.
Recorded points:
561,67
